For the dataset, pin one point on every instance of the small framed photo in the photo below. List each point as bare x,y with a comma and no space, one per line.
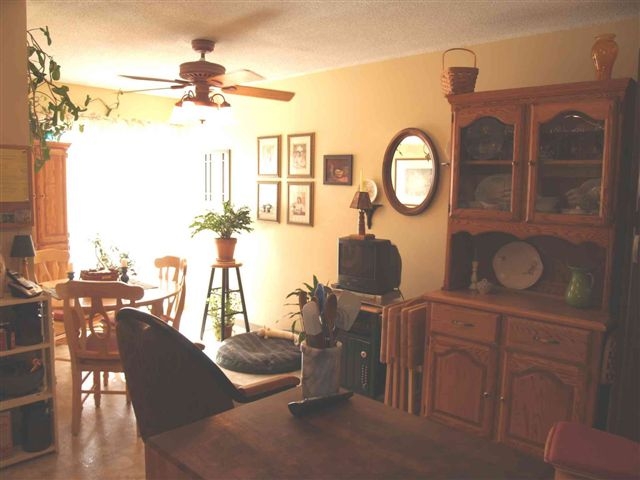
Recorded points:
300,147
269,156
300,203
269,201
413,180
338,170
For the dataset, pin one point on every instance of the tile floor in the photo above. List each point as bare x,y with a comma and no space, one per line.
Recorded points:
107,446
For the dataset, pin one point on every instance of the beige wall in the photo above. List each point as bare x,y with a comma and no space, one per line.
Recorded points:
357,111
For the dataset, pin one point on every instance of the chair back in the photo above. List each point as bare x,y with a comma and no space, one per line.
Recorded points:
171,382
50,264
173,269
89,316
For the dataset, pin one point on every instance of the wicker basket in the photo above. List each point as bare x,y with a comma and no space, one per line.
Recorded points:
457,80
99,275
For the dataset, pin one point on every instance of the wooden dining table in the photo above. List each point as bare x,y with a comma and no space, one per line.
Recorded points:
359,438
155,292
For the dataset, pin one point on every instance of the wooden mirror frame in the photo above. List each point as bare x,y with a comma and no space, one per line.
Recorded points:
387,163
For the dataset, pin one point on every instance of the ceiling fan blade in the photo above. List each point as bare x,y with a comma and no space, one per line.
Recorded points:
172,87
259,92
235,78
151,79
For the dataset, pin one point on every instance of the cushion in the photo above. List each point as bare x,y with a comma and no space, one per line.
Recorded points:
250,353
593,453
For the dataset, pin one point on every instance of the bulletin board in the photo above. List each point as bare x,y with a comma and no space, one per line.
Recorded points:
16,186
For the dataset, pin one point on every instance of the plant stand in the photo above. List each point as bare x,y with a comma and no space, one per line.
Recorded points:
224,293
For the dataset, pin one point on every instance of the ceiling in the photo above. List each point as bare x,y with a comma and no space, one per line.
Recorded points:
95,40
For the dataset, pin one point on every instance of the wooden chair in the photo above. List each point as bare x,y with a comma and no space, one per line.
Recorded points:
52,264
172,269
171,381
89,311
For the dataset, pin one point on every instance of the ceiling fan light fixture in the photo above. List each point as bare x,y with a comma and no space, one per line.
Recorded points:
191,109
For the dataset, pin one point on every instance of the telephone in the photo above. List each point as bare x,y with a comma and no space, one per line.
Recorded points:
21,287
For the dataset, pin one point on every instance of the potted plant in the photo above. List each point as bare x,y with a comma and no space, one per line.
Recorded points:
231,308
225,224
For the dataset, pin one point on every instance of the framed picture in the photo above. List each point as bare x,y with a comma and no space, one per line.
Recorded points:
217,174
413,180
338,170
269,201
300,148
269,156
16,186
300,203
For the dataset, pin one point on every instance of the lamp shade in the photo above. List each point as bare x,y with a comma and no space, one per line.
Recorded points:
361,201
22,247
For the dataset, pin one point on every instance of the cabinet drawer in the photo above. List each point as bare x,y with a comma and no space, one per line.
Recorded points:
464,322
564,343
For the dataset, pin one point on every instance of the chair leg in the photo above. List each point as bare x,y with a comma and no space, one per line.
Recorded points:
97,392
76,399
105,380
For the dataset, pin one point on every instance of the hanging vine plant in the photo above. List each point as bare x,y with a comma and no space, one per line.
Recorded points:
52,112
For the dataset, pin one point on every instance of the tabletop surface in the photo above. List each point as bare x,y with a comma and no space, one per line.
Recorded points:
359,438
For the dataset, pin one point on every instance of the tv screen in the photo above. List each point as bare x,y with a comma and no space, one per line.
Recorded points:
368,265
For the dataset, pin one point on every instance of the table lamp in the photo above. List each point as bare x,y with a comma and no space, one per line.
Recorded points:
362,202
22,247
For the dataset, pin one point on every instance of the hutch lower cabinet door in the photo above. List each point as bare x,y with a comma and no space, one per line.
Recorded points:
536,393
461,383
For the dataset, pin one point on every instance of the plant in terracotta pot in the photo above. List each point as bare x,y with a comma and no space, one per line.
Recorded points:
232,306
225,224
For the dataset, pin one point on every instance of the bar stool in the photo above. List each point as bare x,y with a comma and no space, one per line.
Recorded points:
224,293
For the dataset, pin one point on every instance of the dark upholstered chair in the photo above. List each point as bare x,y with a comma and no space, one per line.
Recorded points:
171,382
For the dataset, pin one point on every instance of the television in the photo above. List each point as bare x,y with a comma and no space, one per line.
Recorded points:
369,265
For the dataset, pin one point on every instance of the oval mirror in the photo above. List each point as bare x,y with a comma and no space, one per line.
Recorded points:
410,171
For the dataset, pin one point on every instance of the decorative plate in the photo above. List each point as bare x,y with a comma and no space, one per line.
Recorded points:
483,139
517,265
372,188
495,190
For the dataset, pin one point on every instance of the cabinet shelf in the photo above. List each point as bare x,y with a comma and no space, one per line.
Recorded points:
40,396
16,409
17,455
23,349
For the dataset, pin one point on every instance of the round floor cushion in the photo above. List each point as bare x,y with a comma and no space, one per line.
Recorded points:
250,353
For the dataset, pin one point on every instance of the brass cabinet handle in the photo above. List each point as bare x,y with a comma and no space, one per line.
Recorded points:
546,341
486,394
458,323
502,398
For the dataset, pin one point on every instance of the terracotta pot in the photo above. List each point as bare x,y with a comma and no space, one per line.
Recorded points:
603,54
228,331
226,248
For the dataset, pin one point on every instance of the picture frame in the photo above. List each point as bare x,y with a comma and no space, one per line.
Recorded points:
301,152
269,156
16,186
268,207
338,170
413,177
217,177
300,203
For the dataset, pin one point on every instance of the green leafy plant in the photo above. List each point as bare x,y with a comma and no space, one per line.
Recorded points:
110,257
308,289
225,224
232,307
52,112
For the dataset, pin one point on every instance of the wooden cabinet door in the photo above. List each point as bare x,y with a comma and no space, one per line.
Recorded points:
535,393
50,190
461,384
486,180
571,176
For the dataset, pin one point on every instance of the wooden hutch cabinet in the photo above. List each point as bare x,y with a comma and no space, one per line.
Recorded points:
50,191
549,169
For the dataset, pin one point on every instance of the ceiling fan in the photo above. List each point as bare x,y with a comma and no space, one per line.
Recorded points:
205,76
